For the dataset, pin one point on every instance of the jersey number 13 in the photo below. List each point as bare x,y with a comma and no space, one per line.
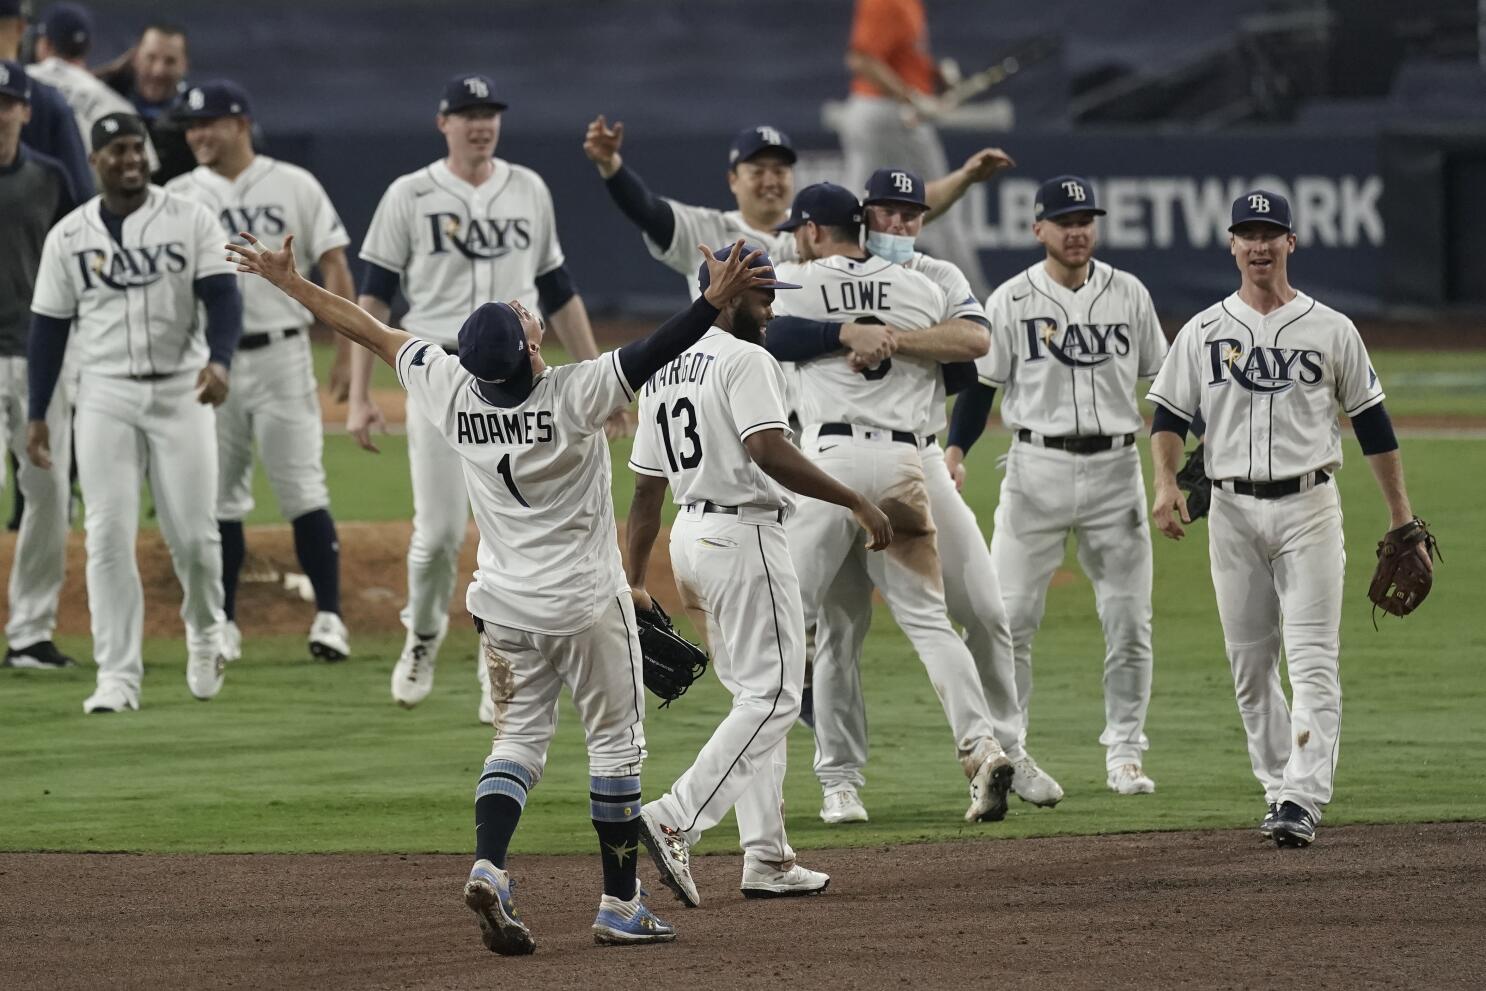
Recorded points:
686,434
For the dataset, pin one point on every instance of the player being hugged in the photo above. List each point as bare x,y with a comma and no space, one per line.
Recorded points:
1270,368
549,597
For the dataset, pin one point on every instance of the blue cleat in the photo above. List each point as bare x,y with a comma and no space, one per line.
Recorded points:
488,893
627,923
1293,827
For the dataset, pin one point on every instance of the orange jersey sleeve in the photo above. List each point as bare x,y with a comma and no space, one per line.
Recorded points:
894,32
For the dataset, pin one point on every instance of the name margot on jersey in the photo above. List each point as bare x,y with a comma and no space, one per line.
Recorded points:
691,368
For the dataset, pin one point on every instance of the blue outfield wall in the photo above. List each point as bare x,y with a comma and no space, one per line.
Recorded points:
1168,198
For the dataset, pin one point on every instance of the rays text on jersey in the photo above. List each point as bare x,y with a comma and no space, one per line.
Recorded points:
476,238
124,268
525,427
256,220
1266,370
1077,345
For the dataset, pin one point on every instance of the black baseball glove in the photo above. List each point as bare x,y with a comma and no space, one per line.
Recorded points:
1193,480
672,662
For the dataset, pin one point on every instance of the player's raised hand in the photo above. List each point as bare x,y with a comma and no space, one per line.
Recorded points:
39,444
254,258
1169,509
872,519
211,385
601,144
734,276
360,419
986,163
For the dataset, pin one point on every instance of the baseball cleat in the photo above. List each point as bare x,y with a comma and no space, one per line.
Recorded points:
412,676
488,893
1129,779
762,879
672,856
1034,785
1293,826
205,674
989,789
1271,816
629,923
328,639
112,698
232,641
841,806
42,656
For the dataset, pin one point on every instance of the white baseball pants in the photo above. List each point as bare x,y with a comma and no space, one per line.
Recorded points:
41,545
1278,567
129,431
734,573
441,508
1100,498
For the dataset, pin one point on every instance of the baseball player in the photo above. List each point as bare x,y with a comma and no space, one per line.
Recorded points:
273,400
467,228
549,598
713,427
1270,368
34,194
761,178
130,267
1069,338
894,209
51,129
864,424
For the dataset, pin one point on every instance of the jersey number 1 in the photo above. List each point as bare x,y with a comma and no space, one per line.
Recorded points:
504,467
687,459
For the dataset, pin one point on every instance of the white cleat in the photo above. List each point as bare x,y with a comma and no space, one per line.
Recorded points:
989,788
412,677
1129,779
762,879
672,856
232,641
1032,784
112,698
842,805
205,673
328,638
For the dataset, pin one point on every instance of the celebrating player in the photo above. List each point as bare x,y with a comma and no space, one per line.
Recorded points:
273,400
129,267
550,598
1270,368
713,427
1069,338
467,228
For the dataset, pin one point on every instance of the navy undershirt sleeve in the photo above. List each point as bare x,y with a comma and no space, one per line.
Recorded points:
972,409
799,339
648,355
645,210
958,376
555,288
1199,425
379,282
1374,430
224,315
1165,419
45,348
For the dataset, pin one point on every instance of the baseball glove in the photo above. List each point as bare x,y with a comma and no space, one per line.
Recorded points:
1402,581
1193,480
672,662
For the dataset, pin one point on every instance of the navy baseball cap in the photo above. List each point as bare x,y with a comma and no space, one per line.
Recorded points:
895,186
751,141
1065,194
467,91
824,203
704,277
111,127
1262,206
14,81
492,348
69,28
218,98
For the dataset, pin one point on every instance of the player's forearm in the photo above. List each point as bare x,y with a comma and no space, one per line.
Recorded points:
361,359
335,273
952,340
1387,468
642,527
1166,455
570,323
783,462
945,192
880,74
46,350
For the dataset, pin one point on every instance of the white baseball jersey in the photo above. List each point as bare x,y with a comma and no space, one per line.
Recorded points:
704,225
270,200
948,277
1068,360
457,246
695,414
87,96
1269,386
898,394
538,479
133,302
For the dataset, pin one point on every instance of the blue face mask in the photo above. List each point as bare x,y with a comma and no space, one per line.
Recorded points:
895,248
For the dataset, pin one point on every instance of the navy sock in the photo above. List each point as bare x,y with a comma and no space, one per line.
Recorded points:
499,799
234,552
319,555
614,804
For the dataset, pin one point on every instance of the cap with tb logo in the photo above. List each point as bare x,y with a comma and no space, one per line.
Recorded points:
218,98
895,186
1262,206
14,81
492,348
1065,194
465,92
750,142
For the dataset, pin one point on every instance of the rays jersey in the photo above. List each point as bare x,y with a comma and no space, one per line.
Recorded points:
962,306
1269,386
538,479
703,225
1068,360
87,96
133,301
695,414
458,246
269,199
898,394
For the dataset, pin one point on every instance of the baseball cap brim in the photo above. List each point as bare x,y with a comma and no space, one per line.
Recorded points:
1064,211
776,284
1259,220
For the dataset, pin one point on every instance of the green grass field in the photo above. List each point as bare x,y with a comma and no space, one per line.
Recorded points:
298,756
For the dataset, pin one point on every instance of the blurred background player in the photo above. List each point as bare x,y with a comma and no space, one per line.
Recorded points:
467,228
51,129
273,401
151,76
130,267
34,194
1069,338
889,116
